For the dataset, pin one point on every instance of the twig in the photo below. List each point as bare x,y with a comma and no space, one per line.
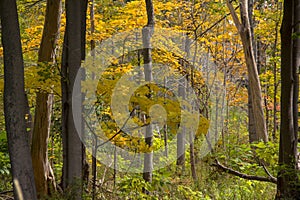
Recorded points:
270,179
111,138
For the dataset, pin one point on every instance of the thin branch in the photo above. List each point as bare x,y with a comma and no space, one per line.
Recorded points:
234,15
111,138
32,4
267,172
244,176
5,192
215,24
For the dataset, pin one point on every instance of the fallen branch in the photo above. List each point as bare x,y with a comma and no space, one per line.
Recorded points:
269,179
5,192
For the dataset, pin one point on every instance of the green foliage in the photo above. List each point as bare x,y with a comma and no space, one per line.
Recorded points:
162,187
5,175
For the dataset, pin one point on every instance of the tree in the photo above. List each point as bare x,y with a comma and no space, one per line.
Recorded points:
147,32
288,182
15,103
73,52
181,135
44,177
255,101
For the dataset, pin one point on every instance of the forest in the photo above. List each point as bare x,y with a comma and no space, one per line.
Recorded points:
149,99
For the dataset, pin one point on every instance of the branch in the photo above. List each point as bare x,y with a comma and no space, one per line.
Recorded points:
269,174
118,132
234,16
215,24
270,179
5,192
32,4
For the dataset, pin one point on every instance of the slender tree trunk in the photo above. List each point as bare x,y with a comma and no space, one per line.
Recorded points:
165,126
287,182
43,173
85,164
274,54
15,103
147,33
296,67
251,120
181,135
72,55
94,154
254,83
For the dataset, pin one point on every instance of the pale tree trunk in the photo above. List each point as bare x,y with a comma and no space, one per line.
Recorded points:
181,135
147,33
72,145
15,103
288,181
43,173
251,121
254,83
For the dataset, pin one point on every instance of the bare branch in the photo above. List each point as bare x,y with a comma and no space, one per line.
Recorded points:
270,179
215,24
234,16
267,172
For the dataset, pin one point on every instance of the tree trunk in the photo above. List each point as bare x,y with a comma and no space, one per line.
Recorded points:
43,174
251,125
192,157
251,121
254,83
72,146
51,31
181,135
147,33
288,183
85,164
14,103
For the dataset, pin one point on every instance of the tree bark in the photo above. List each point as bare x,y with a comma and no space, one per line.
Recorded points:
147,33
254,83
251,120
72,55
15,103
51,31
288,182
43,173
181,135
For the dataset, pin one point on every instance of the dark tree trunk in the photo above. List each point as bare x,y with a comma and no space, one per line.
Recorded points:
287,182
15,103
72,55
85,164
